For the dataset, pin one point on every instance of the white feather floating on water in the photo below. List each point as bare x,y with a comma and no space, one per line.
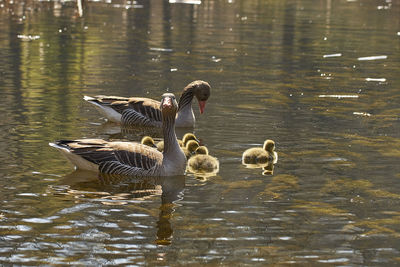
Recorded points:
338,96
362,114
191,2
375,79
333,55
28,37
372,58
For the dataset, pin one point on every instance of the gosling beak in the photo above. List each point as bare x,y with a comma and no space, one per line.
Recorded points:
202,105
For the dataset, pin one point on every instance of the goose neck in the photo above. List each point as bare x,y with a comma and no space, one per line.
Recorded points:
185,102
170,140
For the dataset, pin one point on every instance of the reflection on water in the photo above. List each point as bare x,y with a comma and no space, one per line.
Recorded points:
320,78
114,190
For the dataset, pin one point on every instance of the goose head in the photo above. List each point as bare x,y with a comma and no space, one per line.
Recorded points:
269,146
201,150
168,105
201,90
148,141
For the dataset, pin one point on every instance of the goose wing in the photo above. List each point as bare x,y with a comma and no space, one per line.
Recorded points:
100,151
147,107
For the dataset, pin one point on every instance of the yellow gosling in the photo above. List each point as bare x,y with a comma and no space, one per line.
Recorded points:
202,163
258,155
190,148
189,136
148,141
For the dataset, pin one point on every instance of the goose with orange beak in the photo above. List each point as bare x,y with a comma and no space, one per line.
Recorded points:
139,111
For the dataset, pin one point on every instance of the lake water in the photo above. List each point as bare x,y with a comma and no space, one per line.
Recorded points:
320,78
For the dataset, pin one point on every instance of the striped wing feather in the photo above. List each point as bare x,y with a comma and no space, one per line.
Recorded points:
133,155
135,110
147,107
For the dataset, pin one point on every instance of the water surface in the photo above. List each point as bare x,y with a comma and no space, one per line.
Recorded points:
320,78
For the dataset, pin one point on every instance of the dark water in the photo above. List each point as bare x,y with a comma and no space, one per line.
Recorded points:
291,71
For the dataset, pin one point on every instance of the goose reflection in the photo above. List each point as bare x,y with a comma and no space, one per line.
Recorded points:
119,190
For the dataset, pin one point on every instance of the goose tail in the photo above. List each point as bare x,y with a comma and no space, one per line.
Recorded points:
104,108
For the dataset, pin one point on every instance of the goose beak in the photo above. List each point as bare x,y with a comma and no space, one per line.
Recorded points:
167,102
202,105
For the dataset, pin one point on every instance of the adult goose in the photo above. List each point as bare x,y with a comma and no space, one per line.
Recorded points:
127,158
258,155
201,162
146,112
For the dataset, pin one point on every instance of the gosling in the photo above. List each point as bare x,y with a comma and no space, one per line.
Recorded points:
258,155
190,148
201,162
148,141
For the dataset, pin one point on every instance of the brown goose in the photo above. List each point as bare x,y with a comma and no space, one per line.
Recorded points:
127,158
146,112
202,162
258,155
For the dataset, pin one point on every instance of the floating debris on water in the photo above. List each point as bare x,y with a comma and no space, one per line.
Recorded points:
191,2
174,69
46,174
159,49
372,57
28,195
28,38
213,58
383,7
362,114
333,55
398,33
339,96
375,79
124,6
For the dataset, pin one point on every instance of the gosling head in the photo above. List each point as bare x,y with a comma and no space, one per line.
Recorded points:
189,136
192,145
201,150
269,145
148,141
